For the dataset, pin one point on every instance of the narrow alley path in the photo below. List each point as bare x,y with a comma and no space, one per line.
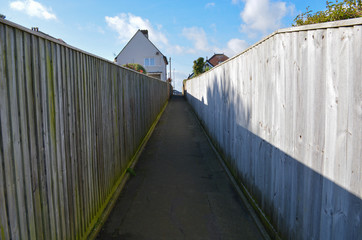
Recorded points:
180,190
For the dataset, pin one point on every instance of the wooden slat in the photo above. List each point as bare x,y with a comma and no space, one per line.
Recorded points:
5,228
69,126
13,157
76,161
61,140
39,173
87,139
54,128
80,141
36,219
84,148
46,135
23,68
93,141
99,137
56,139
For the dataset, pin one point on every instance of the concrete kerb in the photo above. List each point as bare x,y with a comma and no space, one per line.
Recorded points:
97,225
262,222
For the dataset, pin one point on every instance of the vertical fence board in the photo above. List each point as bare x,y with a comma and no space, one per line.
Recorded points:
39,173
57,138
5,142
354,135
22,77
46,134
76,161
70,142
62,136
11,144
31,119
52,98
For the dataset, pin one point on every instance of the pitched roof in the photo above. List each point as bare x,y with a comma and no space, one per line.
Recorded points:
144,33
217,58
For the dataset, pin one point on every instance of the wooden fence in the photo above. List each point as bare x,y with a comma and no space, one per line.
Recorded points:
70,124
287,116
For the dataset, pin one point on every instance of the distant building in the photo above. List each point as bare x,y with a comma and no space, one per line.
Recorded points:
212,62
36,29
142,51
217,58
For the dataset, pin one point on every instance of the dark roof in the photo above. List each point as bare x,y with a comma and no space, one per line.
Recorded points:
145,34
36,29
217,58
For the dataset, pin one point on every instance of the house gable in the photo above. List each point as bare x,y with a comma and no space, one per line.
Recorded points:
142,51
140,42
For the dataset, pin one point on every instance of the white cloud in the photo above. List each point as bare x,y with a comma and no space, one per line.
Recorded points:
210,4
201,44
176,49
198,37
235,46
263,16
235,1
33,9
127,24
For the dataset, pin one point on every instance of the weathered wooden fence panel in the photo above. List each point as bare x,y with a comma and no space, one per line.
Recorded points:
287,116
70,122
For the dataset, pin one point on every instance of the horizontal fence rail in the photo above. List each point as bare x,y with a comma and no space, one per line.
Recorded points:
70,123
286,114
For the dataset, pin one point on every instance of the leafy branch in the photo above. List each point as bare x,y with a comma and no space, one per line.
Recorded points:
335,11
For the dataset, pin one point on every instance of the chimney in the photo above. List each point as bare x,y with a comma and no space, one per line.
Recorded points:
145,32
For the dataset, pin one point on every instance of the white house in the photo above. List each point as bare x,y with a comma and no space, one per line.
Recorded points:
142,51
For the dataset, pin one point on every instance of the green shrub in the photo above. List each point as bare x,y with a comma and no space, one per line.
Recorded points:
135,66
335,11
198,67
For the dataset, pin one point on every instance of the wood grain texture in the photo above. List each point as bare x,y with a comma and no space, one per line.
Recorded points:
70,123
286,116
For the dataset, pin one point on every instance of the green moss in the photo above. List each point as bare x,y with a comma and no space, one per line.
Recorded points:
263,217
2,232
51,97
99,218
78,226
131,171
266,221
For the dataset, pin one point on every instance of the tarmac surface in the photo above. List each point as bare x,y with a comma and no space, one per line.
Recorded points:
180,190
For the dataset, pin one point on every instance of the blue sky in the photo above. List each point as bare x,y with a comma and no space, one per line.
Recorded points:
182,29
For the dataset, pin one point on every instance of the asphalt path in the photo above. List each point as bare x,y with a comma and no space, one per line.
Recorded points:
180,190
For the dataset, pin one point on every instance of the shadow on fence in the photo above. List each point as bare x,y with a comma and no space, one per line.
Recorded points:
298,201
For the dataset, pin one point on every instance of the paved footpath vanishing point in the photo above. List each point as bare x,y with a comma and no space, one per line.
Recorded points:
180,190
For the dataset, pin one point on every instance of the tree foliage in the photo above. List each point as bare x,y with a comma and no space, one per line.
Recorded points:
335,11
198,67
135,66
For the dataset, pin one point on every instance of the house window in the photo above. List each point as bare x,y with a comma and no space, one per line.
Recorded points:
149,62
